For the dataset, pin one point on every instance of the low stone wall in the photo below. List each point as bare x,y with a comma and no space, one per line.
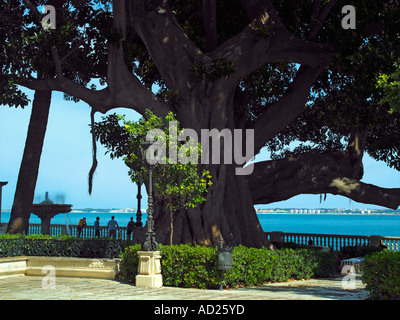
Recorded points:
63,266
12,266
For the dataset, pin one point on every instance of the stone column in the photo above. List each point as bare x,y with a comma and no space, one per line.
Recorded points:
276,237
149,269
375,241
2,184
45,222
64,230
3,228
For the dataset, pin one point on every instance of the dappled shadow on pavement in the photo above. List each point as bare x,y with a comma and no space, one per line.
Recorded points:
31,287
333,289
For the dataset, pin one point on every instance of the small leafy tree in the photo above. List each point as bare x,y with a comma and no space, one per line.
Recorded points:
180,185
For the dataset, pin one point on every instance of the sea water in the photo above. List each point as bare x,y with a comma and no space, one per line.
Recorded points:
348,224
74,217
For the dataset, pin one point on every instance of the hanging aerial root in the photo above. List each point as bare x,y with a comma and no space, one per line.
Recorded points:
94,152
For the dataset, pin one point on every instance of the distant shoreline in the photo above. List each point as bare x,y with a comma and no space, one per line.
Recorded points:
327,211
330,211
335,213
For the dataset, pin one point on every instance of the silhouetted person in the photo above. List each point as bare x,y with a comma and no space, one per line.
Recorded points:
81,224
112,228
129,229
97,227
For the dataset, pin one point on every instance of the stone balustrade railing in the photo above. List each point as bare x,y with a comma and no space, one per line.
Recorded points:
87,232
392,243
334,241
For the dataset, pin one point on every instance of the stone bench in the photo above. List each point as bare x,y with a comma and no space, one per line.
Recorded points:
64,267
12,266
321,248
355,263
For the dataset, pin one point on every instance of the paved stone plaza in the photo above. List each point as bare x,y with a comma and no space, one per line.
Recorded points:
30,287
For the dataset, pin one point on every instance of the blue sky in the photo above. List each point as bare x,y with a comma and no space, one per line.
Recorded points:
67,159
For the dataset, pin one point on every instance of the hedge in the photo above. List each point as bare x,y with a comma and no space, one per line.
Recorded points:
348,252
61,246
197,267
382,275
183,265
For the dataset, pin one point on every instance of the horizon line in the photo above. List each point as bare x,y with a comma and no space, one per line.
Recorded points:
276,208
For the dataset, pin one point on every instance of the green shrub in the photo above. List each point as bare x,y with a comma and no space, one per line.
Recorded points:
288,245
382,275
190,266
348,252
129,263
43,245
249,266
181,265
196,266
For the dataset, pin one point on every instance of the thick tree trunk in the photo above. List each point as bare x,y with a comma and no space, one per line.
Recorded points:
28,173
228,213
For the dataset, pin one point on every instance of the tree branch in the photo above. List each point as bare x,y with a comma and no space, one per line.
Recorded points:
116,68
320,19
102,100
282,46
313,173
315,11
57,62
34,10
254,7
266,40
124,89
364,192
210,25
355,150
287,109
169,47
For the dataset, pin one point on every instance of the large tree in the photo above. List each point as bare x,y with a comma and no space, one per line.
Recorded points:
252,64
11,43
19,27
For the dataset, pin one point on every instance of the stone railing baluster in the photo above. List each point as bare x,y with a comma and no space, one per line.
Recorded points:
335,241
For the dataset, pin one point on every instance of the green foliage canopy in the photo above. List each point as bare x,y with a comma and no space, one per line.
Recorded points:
390,85
359,92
